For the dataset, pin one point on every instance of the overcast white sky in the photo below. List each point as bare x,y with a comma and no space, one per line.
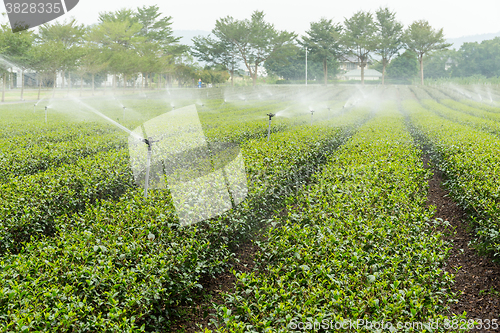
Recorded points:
458,18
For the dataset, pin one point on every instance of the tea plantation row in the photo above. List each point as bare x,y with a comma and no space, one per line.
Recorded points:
357,243
124,266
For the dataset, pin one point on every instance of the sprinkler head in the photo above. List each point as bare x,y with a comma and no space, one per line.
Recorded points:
312,111
149,142
270,115
46,108
124,108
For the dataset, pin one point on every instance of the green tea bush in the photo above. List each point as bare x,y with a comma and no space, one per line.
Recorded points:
470,159
357,243
124,266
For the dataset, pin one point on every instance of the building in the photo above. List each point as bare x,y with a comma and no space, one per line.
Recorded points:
370,74
350,63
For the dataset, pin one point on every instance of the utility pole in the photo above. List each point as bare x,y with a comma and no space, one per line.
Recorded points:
306,66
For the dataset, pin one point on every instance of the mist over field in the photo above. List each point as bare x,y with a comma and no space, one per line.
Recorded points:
248,179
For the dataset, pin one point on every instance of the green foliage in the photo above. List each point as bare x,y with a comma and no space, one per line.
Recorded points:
343,205
354,244
469,159
389,36
422,39
359,38
404,66
126,265
441,64
221,52
289,63
479,59
323,41
255,39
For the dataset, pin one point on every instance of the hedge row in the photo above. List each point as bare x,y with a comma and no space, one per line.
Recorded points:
486,125
470,159
124,266
31,203
357,244
37,158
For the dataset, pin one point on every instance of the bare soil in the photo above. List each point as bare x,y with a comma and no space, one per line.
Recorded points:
477,278
200,314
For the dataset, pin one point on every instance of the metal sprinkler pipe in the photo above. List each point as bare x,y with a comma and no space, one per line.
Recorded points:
46,114
271,115
312,112
149,142
123,113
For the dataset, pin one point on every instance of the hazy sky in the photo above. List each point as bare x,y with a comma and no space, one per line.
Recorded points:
458,18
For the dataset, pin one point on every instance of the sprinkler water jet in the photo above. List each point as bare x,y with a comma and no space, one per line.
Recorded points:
270,115
147,141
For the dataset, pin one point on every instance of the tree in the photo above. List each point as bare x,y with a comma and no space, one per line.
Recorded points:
359,38
217,52
403,67
159,41
422,39
185,74
323,42
213,75
440,64
479,59
46,61
69,36
255,39
116,36
16,48
289,64
155,28
389,36
91,62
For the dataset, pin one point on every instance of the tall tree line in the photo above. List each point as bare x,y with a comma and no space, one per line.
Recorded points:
126,44
139,43
254,42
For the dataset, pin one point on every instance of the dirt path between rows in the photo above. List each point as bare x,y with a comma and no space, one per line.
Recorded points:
477,278
200,314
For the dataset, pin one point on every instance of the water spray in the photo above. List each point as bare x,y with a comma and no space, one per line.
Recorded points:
312,112
147,141
271,115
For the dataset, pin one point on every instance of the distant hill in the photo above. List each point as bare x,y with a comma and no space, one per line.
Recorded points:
457,42
187,35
